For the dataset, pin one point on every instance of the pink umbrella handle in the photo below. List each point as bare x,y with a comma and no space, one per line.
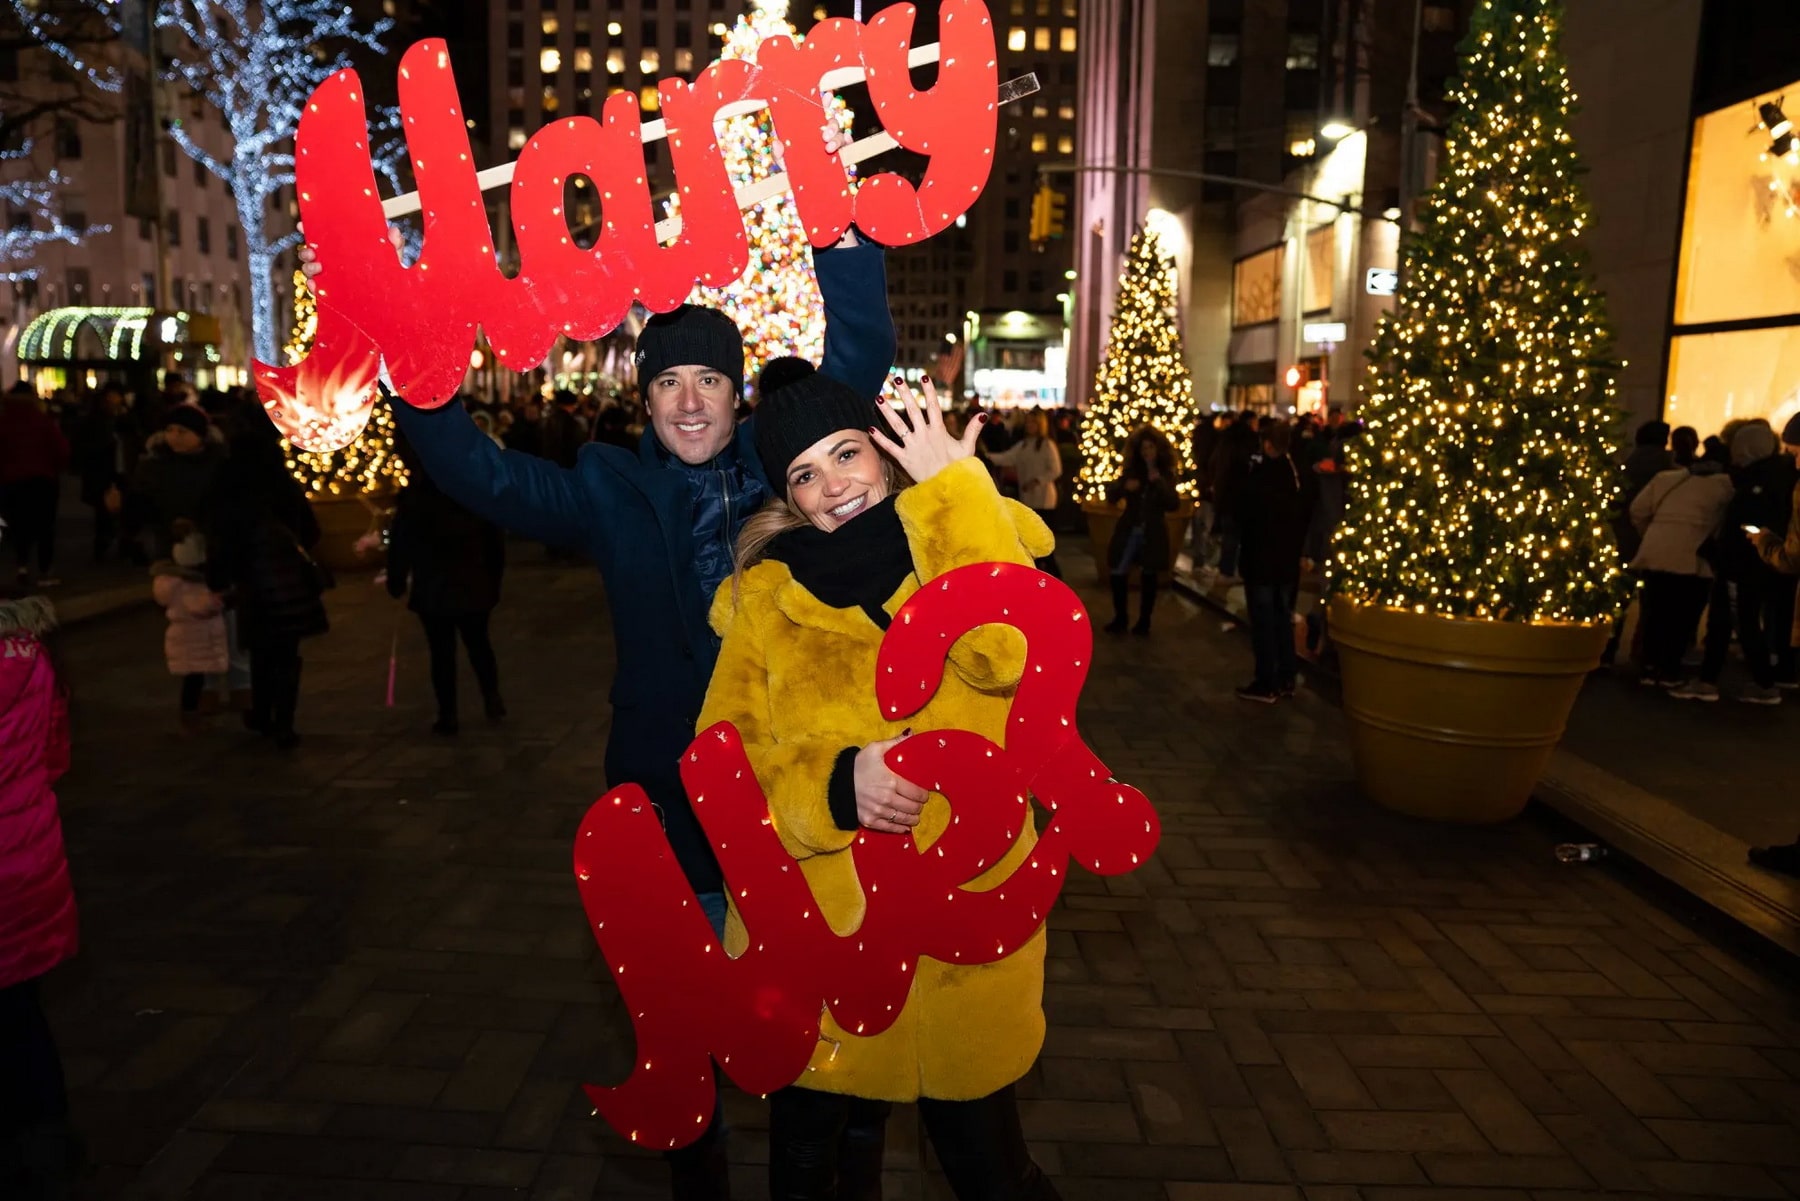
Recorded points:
393,667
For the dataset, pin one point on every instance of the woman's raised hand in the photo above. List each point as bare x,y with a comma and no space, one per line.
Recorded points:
919,441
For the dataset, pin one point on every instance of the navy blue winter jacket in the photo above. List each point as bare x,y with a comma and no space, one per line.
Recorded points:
638,515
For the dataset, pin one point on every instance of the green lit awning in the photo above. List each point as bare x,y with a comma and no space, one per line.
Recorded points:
81,334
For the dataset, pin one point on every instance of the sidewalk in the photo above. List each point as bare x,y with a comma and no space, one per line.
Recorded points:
1686,788
361,973
88,590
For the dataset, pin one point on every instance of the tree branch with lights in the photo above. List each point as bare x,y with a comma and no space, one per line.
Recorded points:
1483,485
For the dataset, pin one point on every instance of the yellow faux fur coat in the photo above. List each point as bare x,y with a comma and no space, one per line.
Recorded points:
797,679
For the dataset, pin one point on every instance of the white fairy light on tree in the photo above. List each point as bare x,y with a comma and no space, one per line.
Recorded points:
37,221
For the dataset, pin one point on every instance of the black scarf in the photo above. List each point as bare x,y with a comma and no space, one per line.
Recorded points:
856,566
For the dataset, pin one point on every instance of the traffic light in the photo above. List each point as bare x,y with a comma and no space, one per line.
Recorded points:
1049,214
1040,213
1057,225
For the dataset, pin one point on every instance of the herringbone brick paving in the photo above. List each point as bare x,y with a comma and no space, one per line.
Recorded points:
361,973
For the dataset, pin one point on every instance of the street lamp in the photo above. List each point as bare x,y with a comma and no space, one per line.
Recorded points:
1336,130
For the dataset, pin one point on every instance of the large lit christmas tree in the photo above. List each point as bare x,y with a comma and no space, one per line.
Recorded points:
776,301
1483,484
1143,377
368,466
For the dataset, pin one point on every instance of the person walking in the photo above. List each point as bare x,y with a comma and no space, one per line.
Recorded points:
1277,507
39,1150
33,456
176,474
1039,466
820,572
660,521
99,460
260,535
1146,489
196,643
1678,513
1233,456
448,562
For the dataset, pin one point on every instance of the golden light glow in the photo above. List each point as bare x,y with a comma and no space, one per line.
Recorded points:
368,466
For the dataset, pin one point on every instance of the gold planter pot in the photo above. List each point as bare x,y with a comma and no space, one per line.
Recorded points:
1103,518
1455,719
344,519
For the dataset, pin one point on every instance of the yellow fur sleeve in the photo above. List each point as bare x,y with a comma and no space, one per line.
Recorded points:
794,775
956,518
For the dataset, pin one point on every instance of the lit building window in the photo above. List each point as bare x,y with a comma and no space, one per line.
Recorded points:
1040,109
549,60
1040,39
515,138
684,60
1067,43
819,13
1018,8
1015,38
1303,52
650,61
1222,50
719,30
1065,144
1040,142
614,29
1438,18
615,62
584,59
550,27
1066,110
1069,8
549,100
648,99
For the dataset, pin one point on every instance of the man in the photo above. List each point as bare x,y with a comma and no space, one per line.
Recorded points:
661,522
33,455
1277,502
1781,551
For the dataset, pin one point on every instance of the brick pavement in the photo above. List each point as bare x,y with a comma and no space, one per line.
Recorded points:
361,973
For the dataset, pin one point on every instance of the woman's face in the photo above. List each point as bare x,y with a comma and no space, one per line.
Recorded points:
1037,425
1147,451
837,479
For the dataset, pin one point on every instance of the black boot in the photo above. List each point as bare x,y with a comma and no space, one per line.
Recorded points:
1143,621
698,1171
1121,589
860,1150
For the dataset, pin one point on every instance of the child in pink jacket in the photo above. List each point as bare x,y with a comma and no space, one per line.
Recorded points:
196,643
37,905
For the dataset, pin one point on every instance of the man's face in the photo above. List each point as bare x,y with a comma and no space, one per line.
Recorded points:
691,409
182,440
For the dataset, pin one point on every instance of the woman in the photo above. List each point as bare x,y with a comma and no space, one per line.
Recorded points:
260,538
1678,513
820,572
38,1148
1141,539
447,562
1039,465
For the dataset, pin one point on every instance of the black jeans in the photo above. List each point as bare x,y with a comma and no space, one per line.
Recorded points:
192,686
1739,605
440,636
819,1146
1271,611
1671,614
274,683
29,507
37,1146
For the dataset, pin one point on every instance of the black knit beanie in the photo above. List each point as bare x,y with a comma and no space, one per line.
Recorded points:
188,417
1790,433
691,336
799,414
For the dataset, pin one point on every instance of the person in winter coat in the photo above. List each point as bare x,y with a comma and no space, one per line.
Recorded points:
38,1148
175,477
1678,514
1781,551
260,536
820,573
660,522
33,456
1746,592
99,460
1232,459
1141,539
447,562
1035,457
1277,506
195,643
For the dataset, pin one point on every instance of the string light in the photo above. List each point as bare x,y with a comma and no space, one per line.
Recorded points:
368,466
1143,378
1483,485
776,302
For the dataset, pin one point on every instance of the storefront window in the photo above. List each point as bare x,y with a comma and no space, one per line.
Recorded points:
1740,246
1321,257
1256,288
1716,377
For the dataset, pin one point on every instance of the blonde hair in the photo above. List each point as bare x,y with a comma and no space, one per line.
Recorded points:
781,515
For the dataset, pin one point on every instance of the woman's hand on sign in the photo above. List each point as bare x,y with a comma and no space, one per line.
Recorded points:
919,442
309,258
884,801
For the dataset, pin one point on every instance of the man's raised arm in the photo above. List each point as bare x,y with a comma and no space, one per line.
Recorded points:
859,330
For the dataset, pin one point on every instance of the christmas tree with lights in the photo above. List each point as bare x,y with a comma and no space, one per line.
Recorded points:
368,466
1482,487
776,302
1143,377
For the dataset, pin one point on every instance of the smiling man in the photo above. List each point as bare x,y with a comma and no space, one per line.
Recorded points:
661,523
